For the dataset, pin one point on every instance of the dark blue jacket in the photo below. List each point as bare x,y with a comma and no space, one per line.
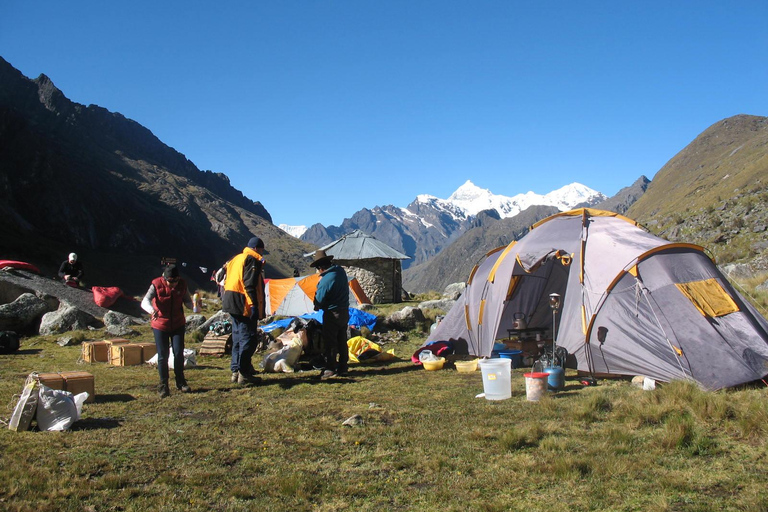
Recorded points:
332,290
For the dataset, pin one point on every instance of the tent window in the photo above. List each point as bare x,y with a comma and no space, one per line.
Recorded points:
709,297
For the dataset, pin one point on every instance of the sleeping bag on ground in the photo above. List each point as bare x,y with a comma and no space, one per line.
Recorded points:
106,296
20,265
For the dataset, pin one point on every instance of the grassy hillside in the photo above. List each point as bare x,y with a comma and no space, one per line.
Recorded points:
714,192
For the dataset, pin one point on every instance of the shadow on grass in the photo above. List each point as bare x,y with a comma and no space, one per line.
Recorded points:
96,424
120,397
28,351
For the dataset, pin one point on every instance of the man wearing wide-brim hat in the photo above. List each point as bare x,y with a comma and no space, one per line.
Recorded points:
332,297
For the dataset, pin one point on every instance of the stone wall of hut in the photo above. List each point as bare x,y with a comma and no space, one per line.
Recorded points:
381,279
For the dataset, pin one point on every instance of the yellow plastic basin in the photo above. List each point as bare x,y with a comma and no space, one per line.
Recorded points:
466,366
434,365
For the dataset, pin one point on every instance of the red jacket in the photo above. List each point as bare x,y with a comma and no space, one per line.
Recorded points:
169,303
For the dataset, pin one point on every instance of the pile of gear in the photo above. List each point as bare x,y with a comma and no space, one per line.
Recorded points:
221,328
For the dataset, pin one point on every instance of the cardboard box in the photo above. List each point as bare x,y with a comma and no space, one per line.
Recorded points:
125,355
95,351
52,380
77,382
148,351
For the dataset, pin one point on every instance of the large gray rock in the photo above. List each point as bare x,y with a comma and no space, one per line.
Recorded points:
406,319
194,322
66,318
443,305
23,313
454,290
120,325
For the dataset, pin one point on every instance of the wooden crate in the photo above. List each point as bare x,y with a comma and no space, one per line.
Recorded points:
95,351
117,341
216,345
125,355
52,380
77,382
148,350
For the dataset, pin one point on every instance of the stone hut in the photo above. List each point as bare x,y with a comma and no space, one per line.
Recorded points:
376,265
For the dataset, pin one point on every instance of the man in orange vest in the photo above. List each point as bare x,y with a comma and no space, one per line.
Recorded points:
244,300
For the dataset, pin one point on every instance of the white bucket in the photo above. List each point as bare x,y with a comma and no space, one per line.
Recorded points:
497,378
535,385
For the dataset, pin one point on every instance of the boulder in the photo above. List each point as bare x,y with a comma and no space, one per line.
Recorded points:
22,314
454,290
119,324
66,318
219,316
443,305
738,270
406,319
194,322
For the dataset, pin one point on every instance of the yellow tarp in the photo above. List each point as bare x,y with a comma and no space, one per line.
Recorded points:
709,297
358,345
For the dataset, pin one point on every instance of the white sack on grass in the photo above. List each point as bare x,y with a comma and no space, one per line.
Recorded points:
190,359
58,410
285,359
26,408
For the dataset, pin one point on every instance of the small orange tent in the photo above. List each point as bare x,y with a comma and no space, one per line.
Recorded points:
293,296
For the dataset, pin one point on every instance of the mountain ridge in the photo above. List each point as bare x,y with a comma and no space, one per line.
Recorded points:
85,179
430,224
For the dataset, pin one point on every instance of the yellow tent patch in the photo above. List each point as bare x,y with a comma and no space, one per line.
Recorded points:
709,297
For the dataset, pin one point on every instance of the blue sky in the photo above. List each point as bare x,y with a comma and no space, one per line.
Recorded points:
320,108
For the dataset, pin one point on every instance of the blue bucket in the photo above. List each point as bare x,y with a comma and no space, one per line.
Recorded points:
556,379
515,355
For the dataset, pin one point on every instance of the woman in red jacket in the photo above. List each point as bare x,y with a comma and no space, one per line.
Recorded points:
165,301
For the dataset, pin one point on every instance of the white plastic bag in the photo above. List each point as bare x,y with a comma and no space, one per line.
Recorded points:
190,359
26,408
427,355
58,410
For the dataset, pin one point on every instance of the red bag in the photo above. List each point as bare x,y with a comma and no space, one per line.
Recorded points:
106,296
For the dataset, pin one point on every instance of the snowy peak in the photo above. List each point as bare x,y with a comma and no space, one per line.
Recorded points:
295,231
473,199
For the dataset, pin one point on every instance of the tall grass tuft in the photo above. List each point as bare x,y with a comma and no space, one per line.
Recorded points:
520,437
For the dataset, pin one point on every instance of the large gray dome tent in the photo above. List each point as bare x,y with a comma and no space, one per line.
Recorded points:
632,303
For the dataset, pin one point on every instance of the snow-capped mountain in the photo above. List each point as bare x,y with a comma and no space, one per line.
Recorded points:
295,231
473,199
429,224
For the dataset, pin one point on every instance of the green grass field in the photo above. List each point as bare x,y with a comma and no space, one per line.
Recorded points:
426,443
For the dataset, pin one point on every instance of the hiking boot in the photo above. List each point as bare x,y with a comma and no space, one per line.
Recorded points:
163,390
243,378
233,379
184,388
328,374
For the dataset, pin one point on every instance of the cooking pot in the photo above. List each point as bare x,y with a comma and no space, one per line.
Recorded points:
519,322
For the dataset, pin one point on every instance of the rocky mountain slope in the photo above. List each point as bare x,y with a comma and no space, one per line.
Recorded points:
714,193
83,179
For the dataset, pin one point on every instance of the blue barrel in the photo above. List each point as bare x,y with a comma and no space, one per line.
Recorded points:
515,355
556,379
